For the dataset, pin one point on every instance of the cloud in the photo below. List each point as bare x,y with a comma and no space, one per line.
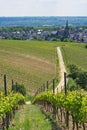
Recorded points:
43,7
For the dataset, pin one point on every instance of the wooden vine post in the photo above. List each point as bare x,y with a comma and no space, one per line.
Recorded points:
12,84
54,109
5,92
65,88
47,85
65,83
53,85
5,85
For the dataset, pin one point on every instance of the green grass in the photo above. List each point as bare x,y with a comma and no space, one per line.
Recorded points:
30,118
41,49
75,54
29,62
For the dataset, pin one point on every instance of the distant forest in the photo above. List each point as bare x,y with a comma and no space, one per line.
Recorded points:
42,21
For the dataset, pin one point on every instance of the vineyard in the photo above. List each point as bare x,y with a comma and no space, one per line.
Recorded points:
34,64
70,108
8,105
10,101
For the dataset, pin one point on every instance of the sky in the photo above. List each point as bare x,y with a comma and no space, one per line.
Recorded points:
43,7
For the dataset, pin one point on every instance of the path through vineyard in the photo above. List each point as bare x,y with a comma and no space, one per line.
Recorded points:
30,117
62,70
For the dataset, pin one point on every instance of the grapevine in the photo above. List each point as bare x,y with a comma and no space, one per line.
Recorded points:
9,104
75,103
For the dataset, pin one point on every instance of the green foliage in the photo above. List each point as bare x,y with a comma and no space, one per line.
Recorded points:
67,40
7,103
39,39
82,80
71,27
56,39
86,46
12,29
74,71
72,85
19,88
79,76
75,103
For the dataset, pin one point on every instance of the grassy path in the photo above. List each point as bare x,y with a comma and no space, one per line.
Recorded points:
62,70
30,118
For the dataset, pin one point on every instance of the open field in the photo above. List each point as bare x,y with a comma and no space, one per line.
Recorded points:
75,54
34,62
28,62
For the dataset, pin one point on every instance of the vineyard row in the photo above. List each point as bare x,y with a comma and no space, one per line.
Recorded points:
73,105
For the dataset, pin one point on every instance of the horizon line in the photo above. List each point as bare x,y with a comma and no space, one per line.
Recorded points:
47,16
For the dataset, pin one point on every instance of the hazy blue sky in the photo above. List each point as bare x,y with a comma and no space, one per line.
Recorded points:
43,7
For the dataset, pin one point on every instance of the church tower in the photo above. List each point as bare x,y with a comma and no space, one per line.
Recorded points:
66,31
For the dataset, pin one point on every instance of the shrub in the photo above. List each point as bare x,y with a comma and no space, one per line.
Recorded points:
79,76
74,71
72,85
86,46
56,39
67,40
82,80
19,88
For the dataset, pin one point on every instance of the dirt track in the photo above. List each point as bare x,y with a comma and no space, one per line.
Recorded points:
62,70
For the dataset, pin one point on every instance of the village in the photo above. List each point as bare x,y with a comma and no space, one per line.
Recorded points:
67,33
